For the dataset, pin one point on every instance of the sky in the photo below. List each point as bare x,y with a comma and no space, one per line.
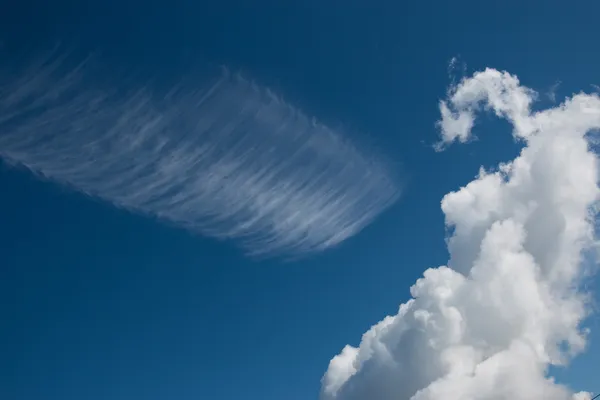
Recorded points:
147,253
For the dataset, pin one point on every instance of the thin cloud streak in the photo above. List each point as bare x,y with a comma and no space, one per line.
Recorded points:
230,160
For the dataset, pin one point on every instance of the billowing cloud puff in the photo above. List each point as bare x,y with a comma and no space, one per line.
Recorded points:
225,158
507,306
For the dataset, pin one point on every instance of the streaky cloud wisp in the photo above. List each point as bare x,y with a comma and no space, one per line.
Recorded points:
229,160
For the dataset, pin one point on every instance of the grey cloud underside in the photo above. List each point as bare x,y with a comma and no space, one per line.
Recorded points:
229,160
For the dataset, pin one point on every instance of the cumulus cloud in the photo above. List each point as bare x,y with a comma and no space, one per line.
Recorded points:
224,158
507,306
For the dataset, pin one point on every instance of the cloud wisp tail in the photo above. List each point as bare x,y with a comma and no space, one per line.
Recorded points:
229,160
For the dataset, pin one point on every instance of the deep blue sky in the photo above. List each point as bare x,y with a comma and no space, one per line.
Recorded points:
97,303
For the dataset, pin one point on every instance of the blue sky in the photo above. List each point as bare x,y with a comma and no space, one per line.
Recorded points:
99,303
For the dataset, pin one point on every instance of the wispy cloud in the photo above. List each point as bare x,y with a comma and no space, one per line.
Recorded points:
551,93
227,159
508,305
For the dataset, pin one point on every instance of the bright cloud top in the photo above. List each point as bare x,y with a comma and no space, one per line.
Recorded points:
488,326
231,160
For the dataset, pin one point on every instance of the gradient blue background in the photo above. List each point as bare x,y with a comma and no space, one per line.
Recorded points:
97,303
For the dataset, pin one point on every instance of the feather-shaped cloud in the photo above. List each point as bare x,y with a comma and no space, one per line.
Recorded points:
229,160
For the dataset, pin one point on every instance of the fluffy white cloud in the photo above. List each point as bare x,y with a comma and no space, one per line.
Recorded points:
488,325
223,158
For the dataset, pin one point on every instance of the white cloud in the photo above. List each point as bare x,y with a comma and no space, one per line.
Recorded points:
488,326
228,160
551,93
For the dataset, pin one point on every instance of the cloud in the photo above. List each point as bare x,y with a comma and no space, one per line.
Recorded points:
507,306
226,158
551,93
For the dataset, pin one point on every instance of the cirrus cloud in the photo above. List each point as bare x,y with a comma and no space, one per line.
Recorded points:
224,158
